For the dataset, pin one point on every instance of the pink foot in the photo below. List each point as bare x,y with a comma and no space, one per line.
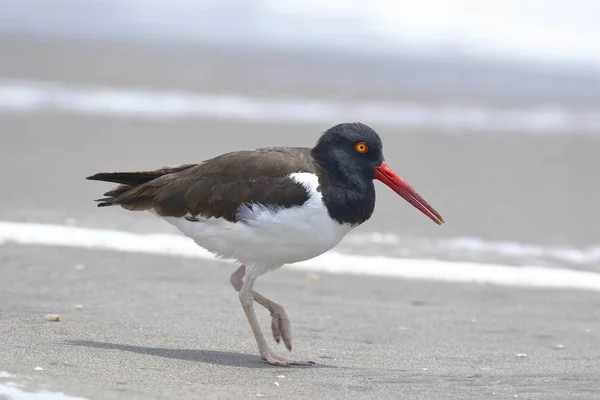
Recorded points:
280,325
274,359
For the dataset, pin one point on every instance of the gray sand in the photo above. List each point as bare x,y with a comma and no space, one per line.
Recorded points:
168,328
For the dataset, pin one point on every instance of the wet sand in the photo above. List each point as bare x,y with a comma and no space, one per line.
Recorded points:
168,328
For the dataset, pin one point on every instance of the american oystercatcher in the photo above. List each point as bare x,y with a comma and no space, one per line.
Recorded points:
268,207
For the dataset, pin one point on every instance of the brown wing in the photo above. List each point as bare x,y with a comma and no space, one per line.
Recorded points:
216,187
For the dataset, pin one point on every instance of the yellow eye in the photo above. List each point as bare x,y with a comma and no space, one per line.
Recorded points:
361,147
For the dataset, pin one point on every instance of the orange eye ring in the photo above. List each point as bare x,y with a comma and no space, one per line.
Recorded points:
361,147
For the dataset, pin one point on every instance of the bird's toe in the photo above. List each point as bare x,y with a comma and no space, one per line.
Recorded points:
281,327
276,360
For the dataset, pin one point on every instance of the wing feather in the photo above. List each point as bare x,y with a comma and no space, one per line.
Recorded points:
216,187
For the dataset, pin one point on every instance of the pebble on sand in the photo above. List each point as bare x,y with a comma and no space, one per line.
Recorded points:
521,355
52,317
314,278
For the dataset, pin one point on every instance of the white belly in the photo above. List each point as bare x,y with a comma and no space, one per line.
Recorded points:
267,236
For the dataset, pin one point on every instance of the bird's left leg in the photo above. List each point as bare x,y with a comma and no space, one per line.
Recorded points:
280,323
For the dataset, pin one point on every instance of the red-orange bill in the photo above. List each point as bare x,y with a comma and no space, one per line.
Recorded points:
386,174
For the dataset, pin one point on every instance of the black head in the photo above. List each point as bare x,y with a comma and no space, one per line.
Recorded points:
349,151
351,155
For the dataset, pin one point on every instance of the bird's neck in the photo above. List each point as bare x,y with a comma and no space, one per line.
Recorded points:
349,200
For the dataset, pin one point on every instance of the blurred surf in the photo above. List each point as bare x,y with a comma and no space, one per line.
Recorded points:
12,390
542,30
24,96
472,249
544,50
526,275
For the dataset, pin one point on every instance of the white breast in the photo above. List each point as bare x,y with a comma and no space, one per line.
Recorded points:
270,236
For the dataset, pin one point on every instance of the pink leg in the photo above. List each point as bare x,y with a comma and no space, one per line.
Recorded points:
280,323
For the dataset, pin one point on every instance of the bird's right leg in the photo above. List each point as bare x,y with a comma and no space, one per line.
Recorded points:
280,323
247,300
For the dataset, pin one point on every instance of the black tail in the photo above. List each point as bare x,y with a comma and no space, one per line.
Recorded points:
112,195
129,180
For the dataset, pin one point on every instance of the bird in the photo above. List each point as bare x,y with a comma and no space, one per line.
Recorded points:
267,207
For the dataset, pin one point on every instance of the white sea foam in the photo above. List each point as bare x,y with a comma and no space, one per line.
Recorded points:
175,245
13,391
35,96
473,246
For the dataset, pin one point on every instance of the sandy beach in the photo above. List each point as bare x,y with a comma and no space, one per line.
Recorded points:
155,327
167,328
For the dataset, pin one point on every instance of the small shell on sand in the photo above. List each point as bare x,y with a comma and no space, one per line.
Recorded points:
52,317
521,355
314,278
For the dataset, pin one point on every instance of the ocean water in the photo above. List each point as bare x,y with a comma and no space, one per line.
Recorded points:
536,50
559,31
13,388
547,30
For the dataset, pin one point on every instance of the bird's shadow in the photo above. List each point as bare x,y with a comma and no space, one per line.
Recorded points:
225,358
